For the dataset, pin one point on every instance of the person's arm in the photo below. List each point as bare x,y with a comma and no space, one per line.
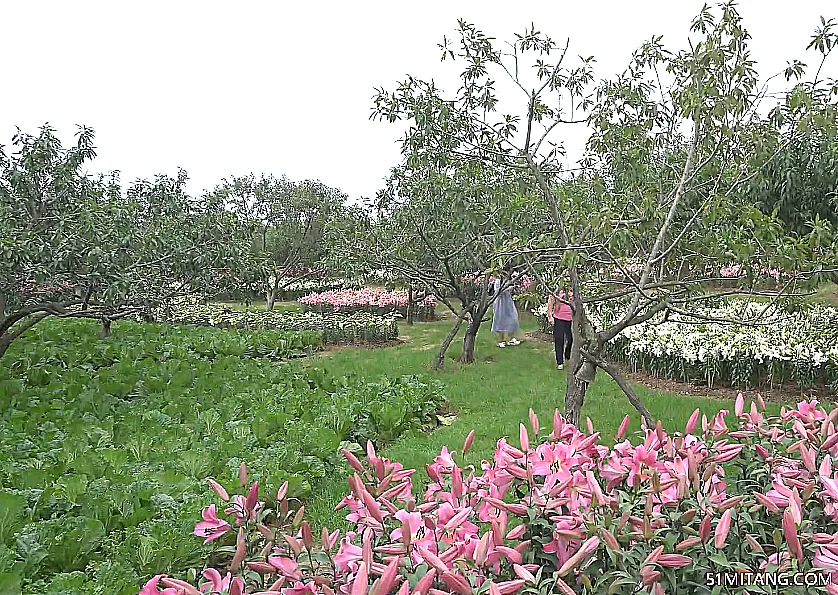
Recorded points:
550,304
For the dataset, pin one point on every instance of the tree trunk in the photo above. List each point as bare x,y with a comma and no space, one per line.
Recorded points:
410,305
471,337
106,328
272,295
575,393
439,361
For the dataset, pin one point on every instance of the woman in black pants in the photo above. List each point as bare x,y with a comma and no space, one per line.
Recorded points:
561,315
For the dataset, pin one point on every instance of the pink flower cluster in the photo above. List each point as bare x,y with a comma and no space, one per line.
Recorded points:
737,270
640,508
522,283
368,297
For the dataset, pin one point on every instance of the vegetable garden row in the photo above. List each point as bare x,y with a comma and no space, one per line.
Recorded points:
105,445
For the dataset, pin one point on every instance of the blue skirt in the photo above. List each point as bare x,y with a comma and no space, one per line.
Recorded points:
504,314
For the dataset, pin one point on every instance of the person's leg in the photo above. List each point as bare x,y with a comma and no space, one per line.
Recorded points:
568,338
501,342
558,340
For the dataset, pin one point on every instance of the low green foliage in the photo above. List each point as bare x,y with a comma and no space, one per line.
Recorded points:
105,444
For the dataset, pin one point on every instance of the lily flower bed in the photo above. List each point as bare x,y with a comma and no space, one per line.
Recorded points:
800,348
557,512
369,300
360,327
298,289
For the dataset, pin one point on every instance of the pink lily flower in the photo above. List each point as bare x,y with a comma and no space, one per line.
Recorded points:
211,527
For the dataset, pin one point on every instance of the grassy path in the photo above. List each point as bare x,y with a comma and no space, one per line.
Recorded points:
492,396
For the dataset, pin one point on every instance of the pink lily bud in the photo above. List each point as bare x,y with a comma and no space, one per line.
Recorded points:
525,439
388,578
730,502
282,492
650,577
522,547
353,460
432,559
564,587
509,587
236,587
510,554
761,402
371,452
277,585
722,529
432,473
218,489
308,538
467,444
372,506
265,531
654,555
295,545
456,583
252,497
825,469
762,452
688,515
822,538
493,589
366,547
790,533
262,568
705,425
687,544
523,573
674,560
241,550
482,549
243,475
404,589
558,425
425,582
739,406
298,518
755,546
517,532
830,442
590,425
360,586
610,540
457,519
766,502
691,423
587,442
705,528
621,431
517,509
534,422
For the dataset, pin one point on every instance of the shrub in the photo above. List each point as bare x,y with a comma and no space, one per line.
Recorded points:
560,513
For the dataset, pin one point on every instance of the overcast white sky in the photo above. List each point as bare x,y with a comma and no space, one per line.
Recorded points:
230,88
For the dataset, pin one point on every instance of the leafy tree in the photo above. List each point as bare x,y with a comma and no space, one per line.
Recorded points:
441,230
74,246
674,140
290,218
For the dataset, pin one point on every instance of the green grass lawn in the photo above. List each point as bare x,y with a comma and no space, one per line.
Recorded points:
492,396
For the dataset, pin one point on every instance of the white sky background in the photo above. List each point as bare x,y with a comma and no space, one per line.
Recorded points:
285,88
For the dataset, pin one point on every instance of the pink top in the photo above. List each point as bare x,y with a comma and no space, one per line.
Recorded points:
561,311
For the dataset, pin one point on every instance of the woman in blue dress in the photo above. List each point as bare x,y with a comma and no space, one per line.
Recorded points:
504,315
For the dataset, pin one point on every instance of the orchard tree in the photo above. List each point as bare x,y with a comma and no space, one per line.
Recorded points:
441,230
290,219
673,141
74,246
